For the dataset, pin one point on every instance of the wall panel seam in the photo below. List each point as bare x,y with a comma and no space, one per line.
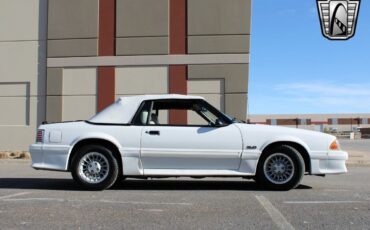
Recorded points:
61,39
144,36
218,35
30,40
150,60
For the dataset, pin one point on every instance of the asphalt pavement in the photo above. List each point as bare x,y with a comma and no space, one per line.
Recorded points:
358,150
31,199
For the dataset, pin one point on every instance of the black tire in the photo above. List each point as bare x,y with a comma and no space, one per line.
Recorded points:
112,170
291,156
119,180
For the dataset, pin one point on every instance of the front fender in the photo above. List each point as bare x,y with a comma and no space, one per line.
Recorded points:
285,138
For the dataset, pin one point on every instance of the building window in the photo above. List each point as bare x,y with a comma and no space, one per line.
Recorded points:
273,122
303,121
364,121
334,121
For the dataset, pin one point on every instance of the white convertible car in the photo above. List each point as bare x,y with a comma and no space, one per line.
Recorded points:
138,137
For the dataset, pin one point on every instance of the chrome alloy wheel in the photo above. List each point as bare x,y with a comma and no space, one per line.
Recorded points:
93,167
278,168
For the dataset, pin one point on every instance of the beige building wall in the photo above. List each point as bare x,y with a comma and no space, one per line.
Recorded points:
79,88
213,90
73,28
141,80
39,33
142,27
132,81
71,94
234,78
22,71
221,27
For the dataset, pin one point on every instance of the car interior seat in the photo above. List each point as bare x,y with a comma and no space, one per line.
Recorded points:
153,119
144,117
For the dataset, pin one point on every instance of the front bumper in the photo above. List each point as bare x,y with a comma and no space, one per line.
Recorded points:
331,162
50,157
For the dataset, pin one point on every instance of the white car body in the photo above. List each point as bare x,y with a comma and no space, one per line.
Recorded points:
232,150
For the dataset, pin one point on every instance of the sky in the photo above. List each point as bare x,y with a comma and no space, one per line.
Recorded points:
295,70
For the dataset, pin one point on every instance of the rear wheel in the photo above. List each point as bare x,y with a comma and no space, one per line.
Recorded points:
280,168
94,167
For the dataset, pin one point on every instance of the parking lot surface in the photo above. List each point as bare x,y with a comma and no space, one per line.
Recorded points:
31,199
359,151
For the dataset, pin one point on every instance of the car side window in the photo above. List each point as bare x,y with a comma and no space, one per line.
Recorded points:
197,113
142,116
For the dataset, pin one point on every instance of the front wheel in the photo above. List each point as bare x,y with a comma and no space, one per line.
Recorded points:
281,168
94,167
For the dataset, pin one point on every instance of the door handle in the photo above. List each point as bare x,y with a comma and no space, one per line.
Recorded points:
153,132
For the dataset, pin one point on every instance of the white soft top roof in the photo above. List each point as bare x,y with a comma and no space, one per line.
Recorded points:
124,109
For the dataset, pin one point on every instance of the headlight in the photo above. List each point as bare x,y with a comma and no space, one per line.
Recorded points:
334,145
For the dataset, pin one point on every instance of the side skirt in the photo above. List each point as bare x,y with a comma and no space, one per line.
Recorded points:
195,173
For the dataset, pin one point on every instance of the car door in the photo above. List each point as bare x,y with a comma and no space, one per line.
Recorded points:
174,147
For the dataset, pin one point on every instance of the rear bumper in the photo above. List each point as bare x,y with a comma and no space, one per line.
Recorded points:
331,162
50,157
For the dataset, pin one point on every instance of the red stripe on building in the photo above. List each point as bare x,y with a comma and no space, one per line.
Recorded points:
178,45
106,86
107,34
178,84
178,26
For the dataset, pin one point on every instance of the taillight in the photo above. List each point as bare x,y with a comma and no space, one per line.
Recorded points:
40,136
